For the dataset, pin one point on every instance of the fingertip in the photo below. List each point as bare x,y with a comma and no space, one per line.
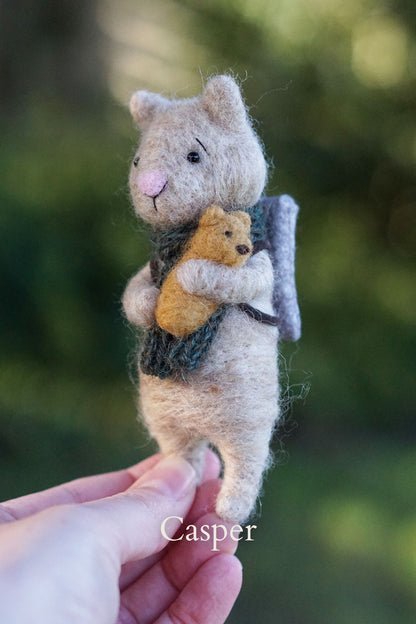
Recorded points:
211,471
212,466
138,470
172,476
165,492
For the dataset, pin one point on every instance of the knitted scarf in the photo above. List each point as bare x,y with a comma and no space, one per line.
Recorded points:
164,355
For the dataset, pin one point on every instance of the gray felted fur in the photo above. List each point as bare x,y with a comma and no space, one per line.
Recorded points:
283,213
231,400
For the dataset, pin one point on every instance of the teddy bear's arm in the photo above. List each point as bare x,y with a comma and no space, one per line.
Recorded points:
227,284
139,299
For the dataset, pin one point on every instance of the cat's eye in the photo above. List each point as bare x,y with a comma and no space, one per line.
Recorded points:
136,161
193,157
228,233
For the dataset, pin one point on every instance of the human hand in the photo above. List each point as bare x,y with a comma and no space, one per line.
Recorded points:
91,551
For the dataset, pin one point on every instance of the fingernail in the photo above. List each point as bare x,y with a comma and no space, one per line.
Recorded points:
172,477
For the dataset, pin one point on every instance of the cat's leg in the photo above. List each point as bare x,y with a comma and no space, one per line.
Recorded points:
177,441
167,409
244,464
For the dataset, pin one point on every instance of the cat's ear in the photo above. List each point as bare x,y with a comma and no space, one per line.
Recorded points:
223,103
144,105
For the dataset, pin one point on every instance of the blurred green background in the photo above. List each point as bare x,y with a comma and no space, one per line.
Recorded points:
332,85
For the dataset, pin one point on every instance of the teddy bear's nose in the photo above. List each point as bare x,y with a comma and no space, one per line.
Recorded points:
152,183
242,249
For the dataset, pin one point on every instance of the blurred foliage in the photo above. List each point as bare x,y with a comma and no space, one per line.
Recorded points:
335,545
332,85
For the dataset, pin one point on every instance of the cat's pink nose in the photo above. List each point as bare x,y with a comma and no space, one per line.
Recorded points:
152,183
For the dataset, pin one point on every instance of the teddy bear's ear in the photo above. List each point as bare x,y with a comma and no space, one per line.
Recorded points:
144,105
211,216
223,102
244,217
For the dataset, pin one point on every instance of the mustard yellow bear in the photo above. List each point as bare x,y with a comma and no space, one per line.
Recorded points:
222,237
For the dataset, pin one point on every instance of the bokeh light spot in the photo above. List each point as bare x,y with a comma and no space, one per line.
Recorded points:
379,51
352,527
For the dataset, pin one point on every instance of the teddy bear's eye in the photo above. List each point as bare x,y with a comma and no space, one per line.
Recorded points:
136,161
193,157
228,233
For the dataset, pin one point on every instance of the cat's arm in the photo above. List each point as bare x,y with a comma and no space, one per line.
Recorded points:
227,284
139,299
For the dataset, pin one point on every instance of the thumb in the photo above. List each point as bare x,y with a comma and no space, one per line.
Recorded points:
130,522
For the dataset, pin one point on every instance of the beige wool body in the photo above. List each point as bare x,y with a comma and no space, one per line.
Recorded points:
231,400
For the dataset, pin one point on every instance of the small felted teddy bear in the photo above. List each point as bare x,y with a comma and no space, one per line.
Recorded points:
217,385
222,237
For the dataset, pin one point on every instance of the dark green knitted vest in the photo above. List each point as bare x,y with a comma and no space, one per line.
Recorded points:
164,355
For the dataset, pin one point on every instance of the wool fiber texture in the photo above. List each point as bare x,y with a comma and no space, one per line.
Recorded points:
196,153
221,238
282,215
231,171
162,354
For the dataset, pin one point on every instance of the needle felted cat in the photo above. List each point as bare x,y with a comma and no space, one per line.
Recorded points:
218,384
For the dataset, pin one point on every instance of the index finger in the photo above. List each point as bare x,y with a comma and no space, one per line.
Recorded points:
87,489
